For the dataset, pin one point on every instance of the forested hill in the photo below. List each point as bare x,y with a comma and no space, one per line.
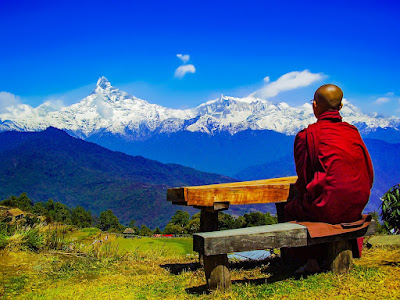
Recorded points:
52,164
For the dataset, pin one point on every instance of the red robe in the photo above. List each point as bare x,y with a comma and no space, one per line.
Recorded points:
334,171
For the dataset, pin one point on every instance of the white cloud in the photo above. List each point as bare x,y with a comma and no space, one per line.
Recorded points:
286,82
8,100
184,57
181,71
390,94
382,100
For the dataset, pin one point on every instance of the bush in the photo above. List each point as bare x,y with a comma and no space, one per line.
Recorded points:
391,209
3,241
33,240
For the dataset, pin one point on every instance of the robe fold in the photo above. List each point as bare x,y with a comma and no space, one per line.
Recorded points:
335,173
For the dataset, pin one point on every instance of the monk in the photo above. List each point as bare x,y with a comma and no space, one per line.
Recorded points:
334,169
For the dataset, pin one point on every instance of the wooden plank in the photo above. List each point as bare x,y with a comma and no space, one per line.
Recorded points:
264,237
235,193
252,238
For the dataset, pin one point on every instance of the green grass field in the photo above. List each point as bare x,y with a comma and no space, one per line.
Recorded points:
160,268
167,246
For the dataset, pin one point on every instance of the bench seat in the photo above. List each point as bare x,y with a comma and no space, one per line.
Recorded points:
214,246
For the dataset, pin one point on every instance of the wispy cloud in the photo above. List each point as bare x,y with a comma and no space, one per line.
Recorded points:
184,57
181,71
382,100
286,82
8,100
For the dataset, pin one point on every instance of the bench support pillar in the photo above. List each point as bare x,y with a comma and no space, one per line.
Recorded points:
217,272
340,256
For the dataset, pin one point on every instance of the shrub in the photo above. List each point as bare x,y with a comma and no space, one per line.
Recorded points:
3,241
33,240
391,209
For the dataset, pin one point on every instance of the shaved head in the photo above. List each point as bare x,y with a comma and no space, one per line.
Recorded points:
329,96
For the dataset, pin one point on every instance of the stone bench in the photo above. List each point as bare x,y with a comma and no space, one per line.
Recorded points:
214,247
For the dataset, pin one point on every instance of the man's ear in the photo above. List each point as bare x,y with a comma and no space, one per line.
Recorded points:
340,106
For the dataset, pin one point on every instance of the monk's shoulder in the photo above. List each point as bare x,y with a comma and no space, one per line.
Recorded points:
301,135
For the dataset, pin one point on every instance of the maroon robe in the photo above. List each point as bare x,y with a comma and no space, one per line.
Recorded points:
334,171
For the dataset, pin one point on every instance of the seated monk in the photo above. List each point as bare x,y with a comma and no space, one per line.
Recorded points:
333,166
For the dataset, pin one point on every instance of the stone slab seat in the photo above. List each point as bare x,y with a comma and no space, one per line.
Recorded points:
214,247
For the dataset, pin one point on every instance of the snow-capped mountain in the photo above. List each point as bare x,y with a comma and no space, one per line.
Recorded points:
107,109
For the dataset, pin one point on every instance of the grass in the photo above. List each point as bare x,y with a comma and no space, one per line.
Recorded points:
168,246
154,268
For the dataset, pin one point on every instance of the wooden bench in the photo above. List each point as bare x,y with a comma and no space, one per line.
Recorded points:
214,246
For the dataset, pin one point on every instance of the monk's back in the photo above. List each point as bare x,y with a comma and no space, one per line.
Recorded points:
344,171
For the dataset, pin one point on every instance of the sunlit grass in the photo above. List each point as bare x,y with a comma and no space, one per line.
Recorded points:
168,246
146,270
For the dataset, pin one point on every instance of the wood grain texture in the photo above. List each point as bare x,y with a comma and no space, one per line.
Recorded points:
218,277
263,237
252,238
235,193
340,257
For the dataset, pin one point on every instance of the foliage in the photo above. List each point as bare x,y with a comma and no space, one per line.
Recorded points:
145,231
391,209
108,221
22,202
132,224
258,218
3,241
80,217
33,240
380,229
178,223
56,237
173,229
180,218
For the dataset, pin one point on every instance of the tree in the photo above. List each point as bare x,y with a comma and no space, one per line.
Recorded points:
225,221
171,228
81,218
22,202
178,223
157,231
258,218
145,231
180,218
38,208
194,224
132,223
62,213
108,221
391,209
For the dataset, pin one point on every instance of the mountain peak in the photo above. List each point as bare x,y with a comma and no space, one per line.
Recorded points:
103,83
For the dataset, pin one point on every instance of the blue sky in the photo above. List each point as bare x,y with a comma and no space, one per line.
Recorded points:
57,51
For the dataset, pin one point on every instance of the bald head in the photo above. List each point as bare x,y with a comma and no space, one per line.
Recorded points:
328,96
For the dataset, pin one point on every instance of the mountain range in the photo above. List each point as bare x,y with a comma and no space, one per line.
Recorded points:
107,110
244,138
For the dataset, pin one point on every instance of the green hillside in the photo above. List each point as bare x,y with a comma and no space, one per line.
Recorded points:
52,164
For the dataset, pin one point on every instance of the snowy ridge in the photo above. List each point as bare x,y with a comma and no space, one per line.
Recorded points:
107,109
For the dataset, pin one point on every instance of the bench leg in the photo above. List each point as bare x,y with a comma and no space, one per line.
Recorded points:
217,272
340,256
